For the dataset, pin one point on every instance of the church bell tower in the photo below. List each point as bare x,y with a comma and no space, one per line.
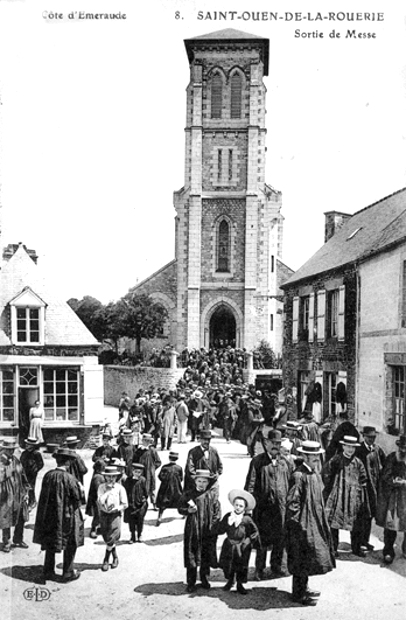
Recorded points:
228,221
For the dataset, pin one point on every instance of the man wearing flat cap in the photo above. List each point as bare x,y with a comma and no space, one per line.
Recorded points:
345,494
373,458
268,481
204,456
309,544
59,522
391,508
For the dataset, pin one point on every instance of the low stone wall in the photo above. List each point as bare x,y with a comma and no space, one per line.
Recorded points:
118,379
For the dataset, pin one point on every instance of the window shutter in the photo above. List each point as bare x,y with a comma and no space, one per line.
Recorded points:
321,312
311,317
295,323
341,312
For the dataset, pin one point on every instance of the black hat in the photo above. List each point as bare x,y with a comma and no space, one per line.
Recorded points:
369,431
275,436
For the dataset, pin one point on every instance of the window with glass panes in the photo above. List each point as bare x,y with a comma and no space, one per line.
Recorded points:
331,386
304,380
7,395
28,325
304,316
332,326
61,394
399,380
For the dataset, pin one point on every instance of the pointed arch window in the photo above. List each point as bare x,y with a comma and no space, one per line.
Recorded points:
216,95
223,247
236,95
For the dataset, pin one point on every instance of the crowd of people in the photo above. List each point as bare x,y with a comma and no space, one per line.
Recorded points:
225,355
295,499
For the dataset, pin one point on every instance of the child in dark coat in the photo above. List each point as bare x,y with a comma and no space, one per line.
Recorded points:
201,507
242,534
148,456
170,491
92,508
137,494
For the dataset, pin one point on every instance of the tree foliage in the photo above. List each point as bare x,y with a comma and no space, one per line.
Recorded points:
133,316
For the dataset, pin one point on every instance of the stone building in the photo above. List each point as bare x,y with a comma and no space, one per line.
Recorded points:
345,320
46,353
222,286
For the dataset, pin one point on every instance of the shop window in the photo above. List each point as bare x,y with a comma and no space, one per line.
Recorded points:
7,395
61,394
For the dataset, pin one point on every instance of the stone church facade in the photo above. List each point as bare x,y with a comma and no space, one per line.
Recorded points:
223,286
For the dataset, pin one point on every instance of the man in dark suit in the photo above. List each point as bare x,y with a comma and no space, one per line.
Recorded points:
373,458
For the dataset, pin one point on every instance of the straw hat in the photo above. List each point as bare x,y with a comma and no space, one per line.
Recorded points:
349,440
310,447
249,499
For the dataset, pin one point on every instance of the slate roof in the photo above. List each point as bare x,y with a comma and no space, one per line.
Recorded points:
378,227
170,268
62,326
230,35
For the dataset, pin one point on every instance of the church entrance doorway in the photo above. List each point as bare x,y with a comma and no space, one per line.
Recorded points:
222,328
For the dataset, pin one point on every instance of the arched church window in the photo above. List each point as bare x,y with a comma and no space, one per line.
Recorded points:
216,95
223,247
236,95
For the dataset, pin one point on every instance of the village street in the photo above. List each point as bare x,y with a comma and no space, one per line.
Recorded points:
149,582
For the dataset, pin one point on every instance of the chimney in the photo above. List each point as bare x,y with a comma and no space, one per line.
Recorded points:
12,248
334,220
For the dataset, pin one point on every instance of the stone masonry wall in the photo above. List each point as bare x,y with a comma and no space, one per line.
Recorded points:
118,379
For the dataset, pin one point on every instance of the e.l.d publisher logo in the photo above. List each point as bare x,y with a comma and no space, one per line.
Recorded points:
36,594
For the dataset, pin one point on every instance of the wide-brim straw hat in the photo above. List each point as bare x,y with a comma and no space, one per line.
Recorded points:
9,443
63,451
111,470
291,425
203,473
32,441
349,440
249,499
71,440
310,447
118,462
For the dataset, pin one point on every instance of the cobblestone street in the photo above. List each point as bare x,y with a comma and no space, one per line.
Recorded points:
150,579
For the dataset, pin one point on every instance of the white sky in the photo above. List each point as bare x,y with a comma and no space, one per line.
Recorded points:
93,115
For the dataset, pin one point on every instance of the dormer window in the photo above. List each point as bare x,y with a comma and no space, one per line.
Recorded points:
28,325
27,318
